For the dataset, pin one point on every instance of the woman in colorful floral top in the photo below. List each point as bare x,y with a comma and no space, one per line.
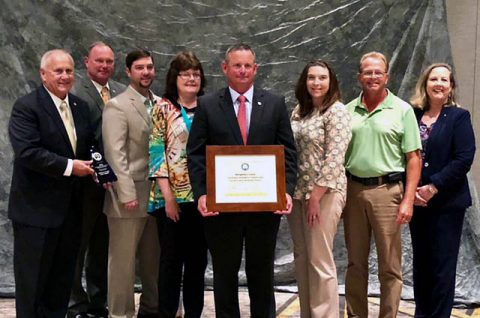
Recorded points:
321,126
183,245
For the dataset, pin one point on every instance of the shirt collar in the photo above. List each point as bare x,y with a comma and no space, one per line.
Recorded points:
385,104
248,94
56,100
99,87
143,98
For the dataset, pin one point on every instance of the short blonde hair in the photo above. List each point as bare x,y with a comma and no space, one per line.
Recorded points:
420,98
376,55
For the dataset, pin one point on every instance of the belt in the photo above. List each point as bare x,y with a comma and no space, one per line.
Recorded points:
393,177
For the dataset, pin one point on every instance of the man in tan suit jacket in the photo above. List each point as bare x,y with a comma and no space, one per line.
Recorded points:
126,130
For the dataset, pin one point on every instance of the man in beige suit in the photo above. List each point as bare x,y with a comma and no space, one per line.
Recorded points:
126,129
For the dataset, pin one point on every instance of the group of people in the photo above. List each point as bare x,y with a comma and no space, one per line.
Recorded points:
377,161
380,163
65,223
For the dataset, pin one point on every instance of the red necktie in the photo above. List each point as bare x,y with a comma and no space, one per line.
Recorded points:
242,118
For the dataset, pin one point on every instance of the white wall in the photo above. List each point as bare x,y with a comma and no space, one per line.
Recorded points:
464,28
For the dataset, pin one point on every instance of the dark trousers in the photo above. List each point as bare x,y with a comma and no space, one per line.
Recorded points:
435,242
183,249
44,263
93,256
226,235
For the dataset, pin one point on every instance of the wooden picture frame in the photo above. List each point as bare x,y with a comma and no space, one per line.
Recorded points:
246,178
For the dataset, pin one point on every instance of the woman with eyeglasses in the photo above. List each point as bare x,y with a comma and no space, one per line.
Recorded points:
321,127
182,241
443,195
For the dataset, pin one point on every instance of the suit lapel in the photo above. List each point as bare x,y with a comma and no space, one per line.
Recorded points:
77,116
257,114
79,121
139,106
226,106
92,91
47,103
114,89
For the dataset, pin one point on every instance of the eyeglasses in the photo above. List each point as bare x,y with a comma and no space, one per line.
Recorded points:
372,74
186,76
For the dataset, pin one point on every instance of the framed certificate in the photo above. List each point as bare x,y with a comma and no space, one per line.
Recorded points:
246,178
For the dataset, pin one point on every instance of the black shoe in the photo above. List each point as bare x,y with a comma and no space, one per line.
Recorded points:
147,315
98,313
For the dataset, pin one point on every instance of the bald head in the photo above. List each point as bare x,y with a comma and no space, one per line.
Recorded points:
100,62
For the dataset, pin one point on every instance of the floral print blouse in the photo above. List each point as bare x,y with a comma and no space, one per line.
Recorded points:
425,132
321,141
168,154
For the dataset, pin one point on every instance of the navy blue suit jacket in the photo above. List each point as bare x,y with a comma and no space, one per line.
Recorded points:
40,195
450,150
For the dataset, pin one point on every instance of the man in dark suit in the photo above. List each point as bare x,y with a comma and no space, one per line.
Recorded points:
265,122
50,135
96,89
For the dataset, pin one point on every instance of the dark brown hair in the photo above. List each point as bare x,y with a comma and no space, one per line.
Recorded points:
136,55
183,61
303,96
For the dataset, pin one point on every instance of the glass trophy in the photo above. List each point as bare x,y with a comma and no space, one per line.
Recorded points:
103,170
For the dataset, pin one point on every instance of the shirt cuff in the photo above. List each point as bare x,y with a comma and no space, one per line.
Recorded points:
69,168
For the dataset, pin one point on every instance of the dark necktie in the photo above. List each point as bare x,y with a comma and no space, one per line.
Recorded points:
149,104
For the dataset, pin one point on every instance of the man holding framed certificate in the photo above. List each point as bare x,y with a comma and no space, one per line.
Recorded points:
241,114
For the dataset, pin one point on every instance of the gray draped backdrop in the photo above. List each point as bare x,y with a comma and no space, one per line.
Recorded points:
285,34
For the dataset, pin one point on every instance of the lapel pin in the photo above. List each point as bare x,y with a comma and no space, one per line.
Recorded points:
259,103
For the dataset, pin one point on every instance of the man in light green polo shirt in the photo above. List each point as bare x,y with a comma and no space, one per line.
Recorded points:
385,144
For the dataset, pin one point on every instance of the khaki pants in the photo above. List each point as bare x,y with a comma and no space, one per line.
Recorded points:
130,237
373,209
314,264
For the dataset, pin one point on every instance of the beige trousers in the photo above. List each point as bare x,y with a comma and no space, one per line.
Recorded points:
373,209
314,264
131,237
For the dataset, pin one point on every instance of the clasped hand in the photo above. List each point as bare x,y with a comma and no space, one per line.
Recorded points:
423,195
